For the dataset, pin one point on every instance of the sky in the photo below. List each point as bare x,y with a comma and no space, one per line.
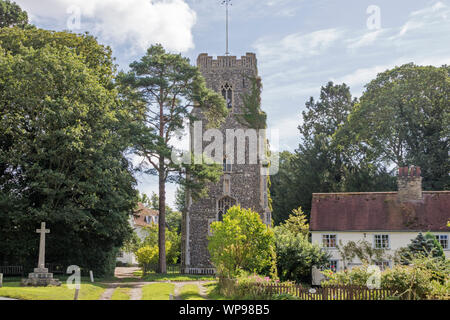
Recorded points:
300,44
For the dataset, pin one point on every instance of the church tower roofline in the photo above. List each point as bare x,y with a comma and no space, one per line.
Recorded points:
204,61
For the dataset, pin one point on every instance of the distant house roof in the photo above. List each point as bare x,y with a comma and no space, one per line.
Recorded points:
142,212
379,211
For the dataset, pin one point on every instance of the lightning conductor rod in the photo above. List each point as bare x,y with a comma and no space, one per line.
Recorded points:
227,3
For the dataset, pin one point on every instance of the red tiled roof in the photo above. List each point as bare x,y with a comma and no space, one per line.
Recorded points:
379,211
140,214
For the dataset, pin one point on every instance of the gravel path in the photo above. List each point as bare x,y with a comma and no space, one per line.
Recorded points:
3,298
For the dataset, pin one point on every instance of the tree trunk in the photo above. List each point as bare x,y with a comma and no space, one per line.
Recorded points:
162,221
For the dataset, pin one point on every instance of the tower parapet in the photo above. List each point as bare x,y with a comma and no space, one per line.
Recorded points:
204,61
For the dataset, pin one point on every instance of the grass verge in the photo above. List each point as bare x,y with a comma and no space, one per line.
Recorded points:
121,294
174,277
212,290
190,292
157,291
88,291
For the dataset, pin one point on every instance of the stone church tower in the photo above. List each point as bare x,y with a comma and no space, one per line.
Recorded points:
241,184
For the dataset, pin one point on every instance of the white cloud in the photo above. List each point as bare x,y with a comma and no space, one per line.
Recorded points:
428,17
365,40
287,128
295,46
134,23
362,76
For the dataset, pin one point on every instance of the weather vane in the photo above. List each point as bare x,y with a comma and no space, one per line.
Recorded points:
227,3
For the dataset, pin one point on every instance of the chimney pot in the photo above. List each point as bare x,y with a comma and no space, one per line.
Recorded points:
409,184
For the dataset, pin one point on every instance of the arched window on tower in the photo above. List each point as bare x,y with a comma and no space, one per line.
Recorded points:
227,93
224,204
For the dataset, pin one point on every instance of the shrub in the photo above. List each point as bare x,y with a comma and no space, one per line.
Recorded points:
246,287
296,255
149,255
425,278
419,247
241,242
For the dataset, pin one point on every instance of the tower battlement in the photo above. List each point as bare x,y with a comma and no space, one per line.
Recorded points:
204,61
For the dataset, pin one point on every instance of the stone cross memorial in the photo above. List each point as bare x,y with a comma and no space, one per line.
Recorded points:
41,276
42,231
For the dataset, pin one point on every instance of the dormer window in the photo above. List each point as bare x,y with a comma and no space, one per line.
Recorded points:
227,93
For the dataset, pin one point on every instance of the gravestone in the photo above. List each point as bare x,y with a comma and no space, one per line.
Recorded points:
1,280
41,276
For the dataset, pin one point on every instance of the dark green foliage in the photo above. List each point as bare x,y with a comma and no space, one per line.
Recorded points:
325,161
296,255
252,115
11,15
421,246
404,118
63,137
180,198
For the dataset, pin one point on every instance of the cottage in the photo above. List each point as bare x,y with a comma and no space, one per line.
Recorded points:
141,218
387,220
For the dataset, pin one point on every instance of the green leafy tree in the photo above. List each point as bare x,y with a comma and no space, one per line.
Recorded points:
296,256
326,161
241,243
62,142
174,220
285,197
11,15
151,239
147,256
296,223
180,198
170,88
403,118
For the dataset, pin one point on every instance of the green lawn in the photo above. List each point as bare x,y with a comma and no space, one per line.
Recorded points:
174,277
121,294
88,291
213,291
157,291
190,292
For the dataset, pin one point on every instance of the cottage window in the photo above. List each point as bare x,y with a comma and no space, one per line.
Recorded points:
331,265
443,240
381,241
329,240
383,264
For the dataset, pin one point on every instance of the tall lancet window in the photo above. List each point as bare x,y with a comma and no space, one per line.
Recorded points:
227,93
224,204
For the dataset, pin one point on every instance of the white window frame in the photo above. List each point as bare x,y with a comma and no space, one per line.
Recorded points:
445,236
328,266
330,234
388,247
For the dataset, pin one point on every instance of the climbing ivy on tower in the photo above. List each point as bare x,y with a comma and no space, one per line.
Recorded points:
253,117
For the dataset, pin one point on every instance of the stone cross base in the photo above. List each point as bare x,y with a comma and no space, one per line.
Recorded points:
40,278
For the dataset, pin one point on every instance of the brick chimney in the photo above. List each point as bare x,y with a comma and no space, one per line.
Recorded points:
409,184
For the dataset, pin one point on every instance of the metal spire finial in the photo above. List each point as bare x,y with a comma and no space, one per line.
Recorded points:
227,3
